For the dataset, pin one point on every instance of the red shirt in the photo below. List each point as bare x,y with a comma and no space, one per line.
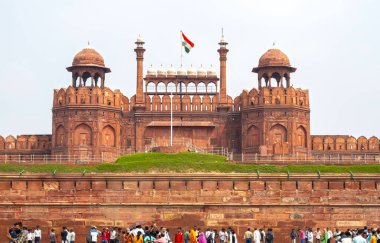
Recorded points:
108,234
178,238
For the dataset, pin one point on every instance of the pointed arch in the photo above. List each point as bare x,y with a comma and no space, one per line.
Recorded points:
83,135
278,134
108,136
60,136
301,137
253,136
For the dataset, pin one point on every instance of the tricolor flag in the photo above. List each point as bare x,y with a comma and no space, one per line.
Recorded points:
186,43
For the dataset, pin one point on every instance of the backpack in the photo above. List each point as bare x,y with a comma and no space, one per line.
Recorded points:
269,237
89,238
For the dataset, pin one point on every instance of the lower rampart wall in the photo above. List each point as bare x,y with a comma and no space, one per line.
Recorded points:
206,200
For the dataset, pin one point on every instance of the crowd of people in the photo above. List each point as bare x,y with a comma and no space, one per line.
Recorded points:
153,234
326,235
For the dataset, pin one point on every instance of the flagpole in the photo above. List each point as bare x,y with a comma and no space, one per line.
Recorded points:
181,46
171,119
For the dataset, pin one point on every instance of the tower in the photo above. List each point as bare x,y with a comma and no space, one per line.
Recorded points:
86,115
223,74
139,104
276,116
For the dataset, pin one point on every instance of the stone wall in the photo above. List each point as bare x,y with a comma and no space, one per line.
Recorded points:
206,200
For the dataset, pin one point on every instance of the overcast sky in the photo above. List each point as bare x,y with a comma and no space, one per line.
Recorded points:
333,44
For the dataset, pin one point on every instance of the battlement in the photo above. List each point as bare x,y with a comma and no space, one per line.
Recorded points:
342,143
272,96
25,144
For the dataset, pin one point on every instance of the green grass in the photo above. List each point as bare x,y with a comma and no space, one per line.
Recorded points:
185,162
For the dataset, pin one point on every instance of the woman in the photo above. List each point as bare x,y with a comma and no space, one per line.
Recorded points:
202,238
128,238
325,236
193,236
138,238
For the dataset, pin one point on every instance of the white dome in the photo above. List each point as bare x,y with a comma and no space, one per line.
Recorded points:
161,71
211,71
201,72
181,71
172,71
191,72
151,71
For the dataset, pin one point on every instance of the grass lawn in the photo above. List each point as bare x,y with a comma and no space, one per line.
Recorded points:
185,162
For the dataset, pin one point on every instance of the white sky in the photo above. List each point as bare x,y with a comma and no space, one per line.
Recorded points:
334,44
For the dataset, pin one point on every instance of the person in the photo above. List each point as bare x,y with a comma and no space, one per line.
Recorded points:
68,236
301,235
325,236
359,237
37,234
293,236
233,237
94,234
374,237
269,236
208,235
178,238
202,238
161,239
138,238
262,234
347,237
248,236
337,236
186,236
256,236
64,234
52,236
71,239
149,238
223,235
310,235
317,234
330,235
128,237
193,236
113,235
378,235
30,236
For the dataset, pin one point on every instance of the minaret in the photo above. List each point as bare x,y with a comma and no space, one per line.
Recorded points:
139,80
223,79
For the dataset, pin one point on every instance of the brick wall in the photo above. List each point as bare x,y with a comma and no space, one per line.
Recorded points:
206,200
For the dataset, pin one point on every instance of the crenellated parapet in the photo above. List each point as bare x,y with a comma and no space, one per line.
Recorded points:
25,144
344,143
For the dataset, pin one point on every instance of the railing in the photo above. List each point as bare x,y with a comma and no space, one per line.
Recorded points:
328,159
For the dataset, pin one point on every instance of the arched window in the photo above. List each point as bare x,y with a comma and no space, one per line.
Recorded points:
108,136
60,136
278,134
253,136
83,135
151,87
191,87
171,88
181,87
161,88
301,137
201,87
86,76
211,88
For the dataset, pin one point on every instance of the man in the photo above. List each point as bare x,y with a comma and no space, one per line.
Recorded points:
178,238
337,234
113,235
269,236
310,235
71,239
64,234
15,233
94,234
248,236
186,236
222,235
256,236
208,235
37,235
53,238
262,234
318,234
293,236
359,238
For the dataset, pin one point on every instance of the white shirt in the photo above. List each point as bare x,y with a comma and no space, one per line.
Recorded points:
347,240
359,239
30,236
317,234
310,236
222,235
72,236
113,234
68,237
37,233
134,231
329,233
256,236
94,236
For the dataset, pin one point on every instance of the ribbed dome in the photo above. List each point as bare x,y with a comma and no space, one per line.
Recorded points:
274,57
181,71
201,72
191,72
161,71
171,71
211,72
88,57
151,71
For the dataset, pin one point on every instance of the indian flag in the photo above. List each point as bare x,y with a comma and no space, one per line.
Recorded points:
186,43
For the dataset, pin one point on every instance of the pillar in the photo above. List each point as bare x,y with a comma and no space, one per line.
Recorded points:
223,79
139,80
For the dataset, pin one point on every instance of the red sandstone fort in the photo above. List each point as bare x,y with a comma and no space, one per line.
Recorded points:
89,119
